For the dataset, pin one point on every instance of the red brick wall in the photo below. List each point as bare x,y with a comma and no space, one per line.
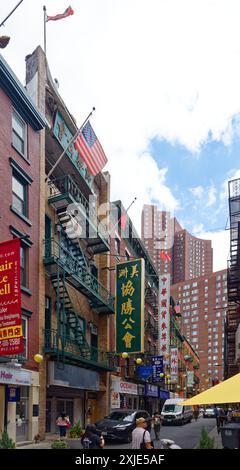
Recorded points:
9,218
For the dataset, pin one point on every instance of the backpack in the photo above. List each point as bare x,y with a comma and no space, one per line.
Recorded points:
86,443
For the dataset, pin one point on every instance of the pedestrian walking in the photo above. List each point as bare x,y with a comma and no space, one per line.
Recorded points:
196,412
63,423
216,414
222,417
92,438
156,425
141,438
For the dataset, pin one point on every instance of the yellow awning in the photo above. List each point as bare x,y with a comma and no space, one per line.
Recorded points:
227,391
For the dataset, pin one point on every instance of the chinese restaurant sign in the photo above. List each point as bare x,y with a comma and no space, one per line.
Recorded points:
130,306
11,339
157,362
64,135
174,364
164,316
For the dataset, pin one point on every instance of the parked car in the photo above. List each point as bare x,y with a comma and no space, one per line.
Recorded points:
208,413
120,424
174,413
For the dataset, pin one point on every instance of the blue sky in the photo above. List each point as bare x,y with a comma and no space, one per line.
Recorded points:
207,169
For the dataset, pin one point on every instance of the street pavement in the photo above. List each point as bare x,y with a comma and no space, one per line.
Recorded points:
186,436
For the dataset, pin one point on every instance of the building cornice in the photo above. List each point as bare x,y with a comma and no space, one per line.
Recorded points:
19,97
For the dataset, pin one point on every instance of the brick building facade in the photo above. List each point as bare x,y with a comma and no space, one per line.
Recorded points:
75,298
190,256
204,304
20,126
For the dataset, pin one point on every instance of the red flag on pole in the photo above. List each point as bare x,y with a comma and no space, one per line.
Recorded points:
123,221
164,256
68,12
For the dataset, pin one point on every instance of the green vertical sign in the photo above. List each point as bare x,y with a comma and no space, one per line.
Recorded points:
130,306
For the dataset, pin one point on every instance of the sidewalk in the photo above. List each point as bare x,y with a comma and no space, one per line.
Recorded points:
45,444
217,439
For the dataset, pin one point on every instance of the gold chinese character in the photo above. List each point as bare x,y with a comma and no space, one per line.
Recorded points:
127,307
128,337
127,325
134,271
128,289
123,272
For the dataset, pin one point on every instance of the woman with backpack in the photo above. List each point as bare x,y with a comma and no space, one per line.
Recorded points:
92,438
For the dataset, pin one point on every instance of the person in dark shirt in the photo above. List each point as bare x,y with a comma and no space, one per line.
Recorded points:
92,438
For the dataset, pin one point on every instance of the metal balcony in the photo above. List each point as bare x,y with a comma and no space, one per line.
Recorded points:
57,257
64,191
70,351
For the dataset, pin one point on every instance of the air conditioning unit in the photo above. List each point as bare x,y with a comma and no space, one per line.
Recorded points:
118,369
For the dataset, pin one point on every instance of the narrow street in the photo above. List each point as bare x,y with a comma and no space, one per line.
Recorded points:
187,436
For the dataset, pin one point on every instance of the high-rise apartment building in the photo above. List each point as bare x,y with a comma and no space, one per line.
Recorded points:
204,303
162,234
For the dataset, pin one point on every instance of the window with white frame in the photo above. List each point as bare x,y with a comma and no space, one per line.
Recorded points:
19,134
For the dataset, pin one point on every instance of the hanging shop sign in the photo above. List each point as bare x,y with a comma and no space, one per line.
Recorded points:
151,390
11,338
64,135
130,306
121,386
174,364
190,378
164,315
157,362
144,372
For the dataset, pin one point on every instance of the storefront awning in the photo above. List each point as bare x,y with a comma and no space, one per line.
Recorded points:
227,391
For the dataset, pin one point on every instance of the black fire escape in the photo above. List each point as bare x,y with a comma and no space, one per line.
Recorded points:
233,316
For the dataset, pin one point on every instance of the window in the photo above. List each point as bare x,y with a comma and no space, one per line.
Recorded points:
218,314
117,246
19,194
23,266
127,256
19,134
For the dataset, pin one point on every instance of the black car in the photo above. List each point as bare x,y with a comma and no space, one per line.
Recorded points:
120,424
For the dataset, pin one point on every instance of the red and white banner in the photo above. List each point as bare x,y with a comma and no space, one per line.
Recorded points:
174,364
11,339
164,315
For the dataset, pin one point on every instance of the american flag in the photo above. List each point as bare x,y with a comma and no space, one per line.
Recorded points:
90,149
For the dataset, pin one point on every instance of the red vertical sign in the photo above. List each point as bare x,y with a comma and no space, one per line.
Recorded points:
11,339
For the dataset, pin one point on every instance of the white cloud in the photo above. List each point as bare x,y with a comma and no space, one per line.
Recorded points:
149,185
197,229
211,196
197,191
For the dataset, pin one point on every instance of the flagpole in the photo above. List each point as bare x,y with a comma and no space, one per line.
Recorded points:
11,12
45,20
71,141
